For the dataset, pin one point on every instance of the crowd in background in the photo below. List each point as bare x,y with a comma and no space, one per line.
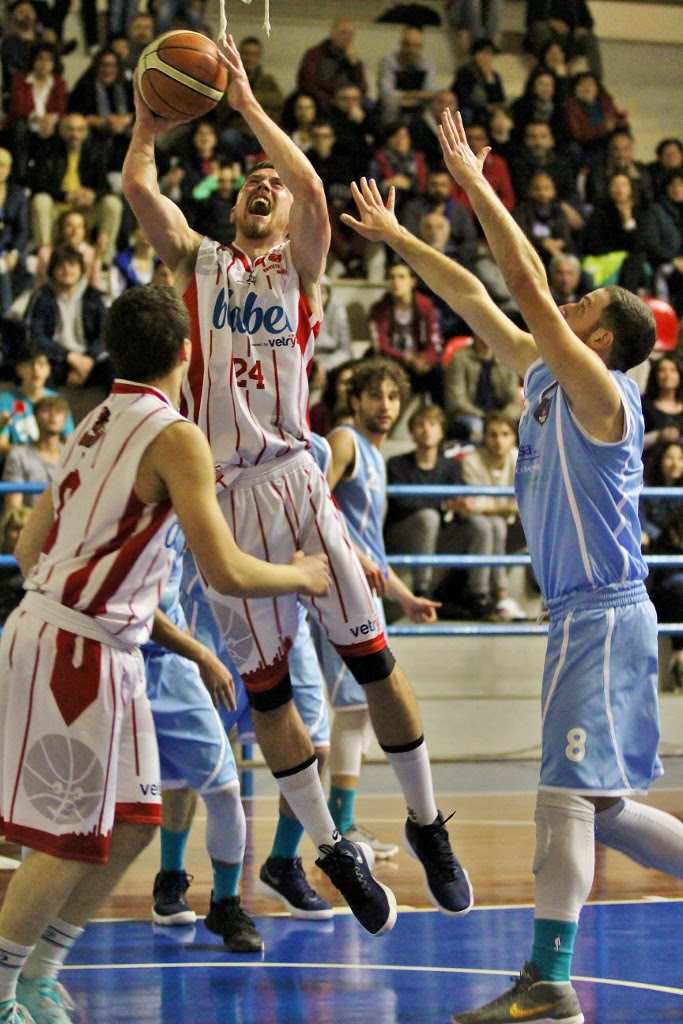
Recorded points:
562,160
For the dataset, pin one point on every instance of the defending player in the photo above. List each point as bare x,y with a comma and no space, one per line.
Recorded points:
255,308
80,768
579,474
377,390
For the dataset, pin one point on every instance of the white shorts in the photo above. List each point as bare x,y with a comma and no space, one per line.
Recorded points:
344,690
273,510
77,743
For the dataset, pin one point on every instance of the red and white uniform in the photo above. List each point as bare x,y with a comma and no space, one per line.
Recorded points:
253,336
77,744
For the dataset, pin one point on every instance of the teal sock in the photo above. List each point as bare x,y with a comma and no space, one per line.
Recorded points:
173,850
225,879
553,948
287,837
341,807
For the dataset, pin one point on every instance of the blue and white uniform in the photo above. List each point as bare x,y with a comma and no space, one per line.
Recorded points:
193,743
578,501
361,497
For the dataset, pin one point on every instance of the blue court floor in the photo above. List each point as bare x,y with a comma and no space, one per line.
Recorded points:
628,969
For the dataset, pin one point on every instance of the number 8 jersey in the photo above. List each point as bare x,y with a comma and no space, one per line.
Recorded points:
253,337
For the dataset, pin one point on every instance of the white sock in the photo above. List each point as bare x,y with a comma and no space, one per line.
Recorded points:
13,958
647,835
51,950
304,793
414,774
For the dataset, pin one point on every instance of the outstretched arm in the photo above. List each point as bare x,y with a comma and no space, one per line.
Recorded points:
309,226
456,286
163,223
580,372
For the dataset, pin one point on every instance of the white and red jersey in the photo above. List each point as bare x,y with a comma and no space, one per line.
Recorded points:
253,336
107,555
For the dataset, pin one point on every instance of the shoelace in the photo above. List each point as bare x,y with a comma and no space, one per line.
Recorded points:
298,877
345,861
442,848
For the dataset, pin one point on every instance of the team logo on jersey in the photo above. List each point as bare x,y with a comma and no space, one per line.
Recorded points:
542,410
64,779
250,318
96,431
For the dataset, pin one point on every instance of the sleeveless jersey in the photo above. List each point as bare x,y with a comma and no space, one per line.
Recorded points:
107,554
578,497
361,498
253,335
169,603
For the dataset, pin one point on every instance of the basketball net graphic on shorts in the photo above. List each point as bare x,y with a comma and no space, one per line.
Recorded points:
223,19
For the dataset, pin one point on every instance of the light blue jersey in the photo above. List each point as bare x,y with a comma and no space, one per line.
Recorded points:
361,498
578,497
578,500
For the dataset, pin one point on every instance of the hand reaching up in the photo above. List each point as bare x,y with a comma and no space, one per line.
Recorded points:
377,221
459,158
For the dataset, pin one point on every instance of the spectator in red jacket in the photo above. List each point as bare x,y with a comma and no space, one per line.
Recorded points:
405,326
495,170
332,63
591,116
38,99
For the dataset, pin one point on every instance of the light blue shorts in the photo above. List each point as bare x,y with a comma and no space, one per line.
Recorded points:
193,745
307,681
344,690
600,710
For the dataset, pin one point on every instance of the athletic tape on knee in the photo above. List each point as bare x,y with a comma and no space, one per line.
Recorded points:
564,862
369,668
347,741
226,825
650,837
275,697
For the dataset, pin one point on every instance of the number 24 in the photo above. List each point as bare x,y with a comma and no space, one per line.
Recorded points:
253,374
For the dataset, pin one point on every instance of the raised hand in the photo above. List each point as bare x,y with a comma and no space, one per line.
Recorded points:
377,221
239,89
459,158
149,121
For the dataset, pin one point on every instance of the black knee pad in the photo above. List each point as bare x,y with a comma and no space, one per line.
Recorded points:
275,697
368,668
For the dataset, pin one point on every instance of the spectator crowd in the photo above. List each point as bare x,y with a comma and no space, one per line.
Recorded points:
562,161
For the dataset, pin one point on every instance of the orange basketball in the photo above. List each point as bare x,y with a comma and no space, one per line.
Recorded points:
180,75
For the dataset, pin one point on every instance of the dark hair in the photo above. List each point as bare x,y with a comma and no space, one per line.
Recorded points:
371,372
537,73
670,141
392,128
652,387
653,467
28,350
633,326
329,396
672,175
267,164
65,254
250,40
287,120
499,417
144,330
106,51
543,52
580,78
41,47
427,411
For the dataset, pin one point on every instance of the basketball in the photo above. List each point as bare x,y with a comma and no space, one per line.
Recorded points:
180,74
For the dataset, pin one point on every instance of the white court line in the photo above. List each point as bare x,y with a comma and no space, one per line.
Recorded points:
405,908
404,968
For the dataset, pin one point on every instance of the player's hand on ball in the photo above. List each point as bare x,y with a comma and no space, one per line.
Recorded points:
218,681
239,89
147,119
316,574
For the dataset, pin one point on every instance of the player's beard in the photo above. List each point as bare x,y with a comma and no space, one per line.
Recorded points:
256,228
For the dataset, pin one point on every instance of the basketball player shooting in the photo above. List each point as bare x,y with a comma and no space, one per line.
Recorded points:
255,308
80,766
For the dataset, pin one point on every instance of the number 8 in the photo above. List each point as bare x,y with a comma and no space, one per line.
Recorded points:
576,747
